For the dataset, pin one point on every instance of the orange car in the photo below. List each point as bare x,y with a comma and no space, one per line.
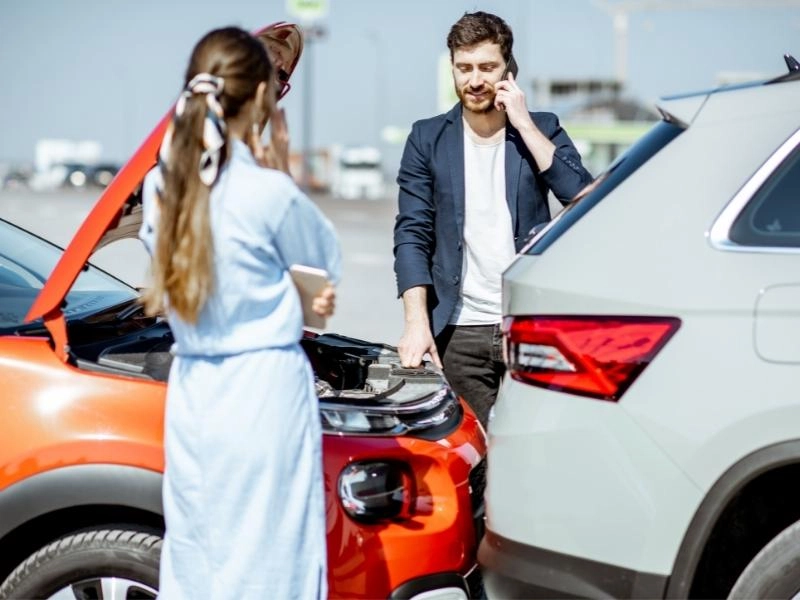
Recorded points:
81,422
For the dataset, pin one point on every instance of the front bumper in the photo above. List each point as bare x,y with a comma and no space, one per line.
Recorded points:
376,560
441,586
514,570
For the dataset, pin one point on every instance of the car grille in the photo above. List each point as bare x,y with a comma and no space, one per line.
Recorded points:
474,582
477,485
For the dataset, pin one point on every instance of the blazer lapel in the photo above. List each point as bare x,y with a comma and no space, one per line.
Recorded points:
454,142
513,166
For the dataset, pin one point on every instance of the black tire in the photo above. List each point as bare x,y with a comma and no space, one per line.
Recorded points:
85,562
775,571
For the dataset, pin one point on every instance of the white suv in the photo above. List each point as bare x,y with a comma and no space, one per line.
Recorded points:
646,440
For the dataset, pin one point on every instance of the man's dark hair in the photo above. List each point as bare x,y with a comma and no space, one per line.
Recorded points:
478,27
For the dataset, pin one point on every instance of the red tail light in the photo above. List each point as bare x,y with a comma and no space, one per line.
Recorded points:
592,356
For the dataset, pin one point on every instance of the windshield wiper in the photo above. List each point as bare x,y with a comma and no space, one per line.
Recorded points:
126,313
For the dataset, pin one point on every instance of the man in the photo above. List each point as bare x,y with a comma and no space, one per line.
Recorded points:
473,182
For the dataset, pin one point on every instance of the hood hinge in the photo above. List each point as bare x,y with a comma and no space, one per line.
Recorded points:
57,326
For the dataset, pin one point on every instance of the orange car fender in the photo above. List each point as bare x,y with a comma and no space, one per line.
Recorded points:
70,416
79,485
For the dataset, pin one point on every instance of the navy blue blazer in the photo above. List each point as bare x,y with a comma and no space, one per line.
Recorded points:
429,229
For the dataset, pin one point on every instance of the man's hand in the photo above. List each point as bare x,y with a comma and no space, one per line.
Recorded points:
417,340
510,98
324,303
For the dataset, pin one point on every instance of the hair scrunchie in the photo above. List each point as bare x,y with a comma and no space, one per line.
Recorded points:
214,128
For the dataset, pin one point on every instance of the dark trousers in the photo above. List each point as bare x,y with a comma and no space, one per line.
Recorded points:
472,356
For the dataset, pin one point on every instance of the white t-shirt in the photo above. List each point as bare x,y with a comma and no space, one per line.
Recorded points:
488,238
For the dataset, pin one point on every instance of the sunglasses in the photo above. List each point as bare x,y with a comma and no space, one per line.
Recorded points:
283,83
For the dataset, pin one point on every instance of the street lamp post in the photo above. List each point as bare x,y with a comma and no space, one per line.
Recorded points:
309,12
311,35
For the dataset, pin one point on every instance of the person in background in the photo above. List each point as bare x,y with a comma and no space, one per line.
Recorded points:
473,182
284,44
243,486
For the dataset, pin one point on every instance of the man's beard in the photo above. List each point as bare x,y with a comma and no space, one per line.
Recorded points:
483,106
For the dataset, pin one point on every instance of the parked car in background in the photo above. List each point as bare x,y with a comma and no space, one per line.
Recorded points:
81,423
14,177
358,174
646,439
102,174
73,175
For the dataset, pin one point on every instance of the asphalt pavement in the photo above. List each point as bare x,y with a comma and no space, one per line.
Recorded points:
367,306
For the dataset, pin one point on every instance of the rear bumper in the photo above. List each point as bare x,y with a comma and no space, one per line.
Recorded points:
581,478
514,570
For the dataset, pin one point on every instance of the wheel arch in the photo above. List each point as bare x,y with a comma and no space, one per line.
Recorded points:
45,506
735,493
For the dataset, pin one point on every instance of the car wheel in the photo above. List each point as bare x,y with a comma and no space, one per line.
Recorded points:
775,571
102,564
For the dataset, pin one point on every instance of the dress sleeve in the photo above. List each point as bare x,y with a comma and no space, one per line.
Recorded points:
305,236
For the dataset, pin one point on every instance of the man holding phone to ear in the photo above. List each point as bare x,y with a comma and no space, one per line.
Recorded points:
473,182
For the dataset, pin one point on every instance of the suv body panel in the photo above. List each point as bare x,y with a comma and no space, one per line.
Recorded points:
578,470
621,484
715,501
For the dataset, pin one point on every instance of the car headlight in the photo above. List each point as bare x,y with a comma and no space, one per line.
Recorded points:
377,491
374,418
355,421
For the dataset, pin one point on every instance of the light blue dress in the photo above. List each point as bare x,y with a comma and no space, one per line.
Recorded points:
243,486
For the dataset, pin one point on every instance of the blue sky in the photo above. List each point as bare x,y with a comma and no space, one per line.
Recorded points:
108,69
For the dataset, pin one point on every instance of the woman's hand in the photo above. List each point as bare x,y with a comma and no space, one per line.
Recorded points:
275,155
324,303
279,140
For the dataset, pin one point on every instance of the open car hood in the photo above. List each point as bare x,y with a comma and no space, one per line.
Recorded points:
118,212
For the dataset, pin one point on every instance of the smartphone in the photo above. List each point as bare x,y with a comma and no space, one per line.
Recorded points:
511,67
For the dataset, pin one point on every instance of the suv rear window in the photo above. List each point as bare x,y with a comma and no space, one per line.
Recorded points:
648,145
772,217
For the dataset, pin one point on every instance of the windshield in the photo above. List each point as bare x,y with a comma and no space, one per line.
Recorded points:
26,261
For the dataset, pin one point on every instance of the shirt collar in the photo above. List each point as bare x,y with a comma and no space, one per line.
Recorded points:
241,151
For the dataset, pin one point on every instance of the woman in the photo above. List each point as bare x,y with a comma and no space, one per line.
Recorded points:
243,489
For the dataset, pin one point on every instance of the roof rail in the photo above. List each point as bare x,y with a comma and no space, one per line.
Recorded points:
794,70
